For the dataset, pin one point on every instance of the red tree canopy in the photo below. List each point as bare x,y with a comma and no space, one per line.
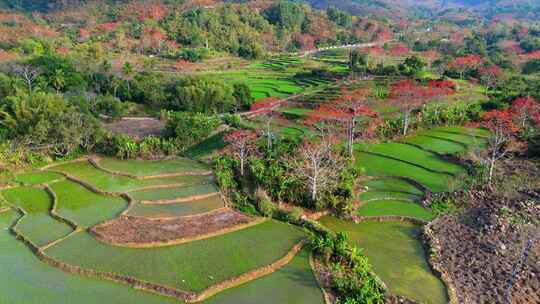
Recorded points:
465,62
500,121
240,138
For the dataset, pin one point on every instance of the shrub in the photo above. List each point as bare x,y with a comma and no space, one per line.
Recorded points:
266,207
295,215
233,120
189,128
111,106
194,55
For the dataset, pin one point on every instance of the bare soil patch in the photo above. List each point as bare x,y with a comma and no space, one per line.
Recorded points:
144,232
483,251
137,128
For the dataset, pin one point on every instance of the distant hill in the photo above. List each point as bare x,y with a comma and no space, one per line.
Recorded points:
529,9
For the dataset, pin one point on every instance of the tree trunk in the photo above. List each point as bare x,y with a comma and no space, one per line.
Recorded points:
242,166
350,139
491,167
405,123
269,136
314,191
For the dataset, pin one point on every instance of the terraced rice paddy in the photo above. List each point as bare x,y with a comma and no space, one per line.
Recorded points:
193,266
142,168
37,225
174,193
293,283
397,257
35,178
176,209
104,181
404,170
53,202
82,206
25,279
276,77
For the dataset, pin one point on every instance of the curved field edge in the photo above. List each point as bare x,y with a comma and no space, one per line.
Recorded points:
150,169
25,279
38,222
203,263
80,205
397,255
293,283
180,241
100,181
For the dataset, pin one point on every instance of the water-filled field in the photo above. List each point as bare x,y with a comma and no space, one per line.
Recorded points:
177,209
397,256
85,194
402,171
82,206
34,178
293,283
193,266
25,279
37,225
142,168
104,181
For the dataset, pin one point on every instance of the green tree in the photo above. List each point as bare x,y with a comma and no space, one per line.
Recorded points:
189,128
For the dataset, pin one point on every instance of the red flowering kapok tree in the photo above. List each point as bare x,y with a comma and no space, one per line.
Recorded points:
409,96
503,130
464,64
345,114
240,143
526,110
490,76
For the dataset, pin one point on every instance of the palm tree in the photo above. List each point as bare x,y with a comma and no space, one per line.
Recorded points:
127,71
58,80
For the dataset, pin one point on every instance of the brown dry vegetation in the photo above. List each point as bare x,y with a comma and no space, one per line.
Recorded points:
138,232
136,128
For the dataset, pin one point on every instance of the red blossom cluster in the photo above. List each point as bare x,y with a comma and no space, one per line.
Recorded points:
62,51
531,55
400,50
464,63
265,103
501,121
108,26
441,87
84,34
154,12
346,114
526,109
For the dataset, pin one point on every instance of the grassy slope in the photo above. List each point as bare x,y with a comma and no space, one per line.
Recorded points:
37,225
85,207
192,266
25,279
397,256
294,283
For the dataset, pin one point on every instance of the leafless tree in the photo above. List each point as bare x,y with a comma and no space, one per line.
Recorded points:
28,73
318,165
